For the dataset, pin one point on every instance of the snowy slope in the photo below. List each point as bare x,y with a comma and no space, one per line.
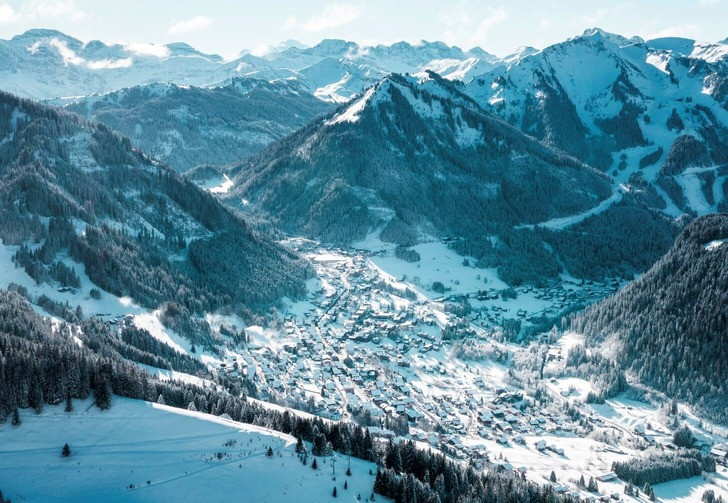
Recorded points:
406,137
140,451
609,101
47,64
187,126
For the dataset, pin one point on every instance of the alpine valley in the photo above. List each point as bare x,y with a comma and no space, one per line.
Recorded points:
407,272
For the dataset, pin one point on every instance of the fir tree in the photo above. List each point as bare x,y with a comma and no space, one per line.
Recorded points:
16,417
269,453
66,451
683,437
300,446
334,492
69,402
592,487
314,464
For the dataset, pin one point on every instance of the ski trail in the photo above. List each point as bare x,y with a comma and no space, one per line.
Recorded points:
567,221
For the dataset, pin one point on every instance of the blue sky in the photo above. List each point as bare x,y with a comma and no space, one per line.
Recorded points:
226,27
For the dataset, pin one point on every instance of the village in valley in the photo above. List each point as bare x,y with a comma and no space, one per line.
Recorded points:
375,343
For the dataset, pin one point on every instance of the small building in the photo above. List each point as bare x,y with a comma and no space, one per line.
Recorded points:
607,477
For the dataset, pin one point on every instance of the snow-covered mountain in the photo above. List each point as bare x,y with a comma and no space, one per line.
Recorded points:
186,126
74,196
47,64
417,157
670,327
623,105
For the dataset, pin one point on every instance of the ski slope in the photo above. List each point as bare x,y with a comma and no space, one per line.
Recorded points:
569,220
139,451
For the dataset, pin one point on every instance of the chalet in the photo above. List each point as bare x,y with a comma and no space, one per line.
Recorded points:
720,451
607,477
378,432
486,417
413,415
560,489
556,450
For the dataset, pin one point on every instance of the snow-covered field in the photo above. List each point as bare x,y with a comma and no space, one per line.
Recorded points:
139,451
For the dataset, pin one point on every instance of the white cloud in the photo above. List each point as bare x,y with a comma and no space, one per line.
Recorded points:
109,64
68,55
159,51
71,58
464,29
197,23
333,16
262,50
44,9
546,22
601,15
39,10
495,17
8,14
684,31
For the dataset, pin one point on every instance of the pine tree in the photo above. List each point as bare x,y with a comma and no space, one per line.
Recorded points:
683,437
314,464
649,492
69,402
346,484
102,391
269,453
300,446
334,492
552,477
16,417
66,451
348,471
592,487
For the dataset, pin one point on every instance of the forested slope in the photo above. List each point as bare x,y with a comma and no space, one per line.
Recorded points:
68,186
672,323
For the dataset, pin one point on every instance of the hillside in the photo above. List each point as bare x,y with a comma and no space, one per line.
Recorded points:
132,434
626,106
671,325
186,126
74,193
142,451
368,165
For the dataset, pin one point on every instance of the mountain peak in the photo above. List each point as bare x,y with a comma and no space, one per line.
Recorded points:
290,44
332,46
36,33
620,40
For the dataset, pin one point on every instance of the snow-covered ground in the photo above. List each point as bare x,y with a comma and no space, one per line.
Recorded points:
396,363
140,451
